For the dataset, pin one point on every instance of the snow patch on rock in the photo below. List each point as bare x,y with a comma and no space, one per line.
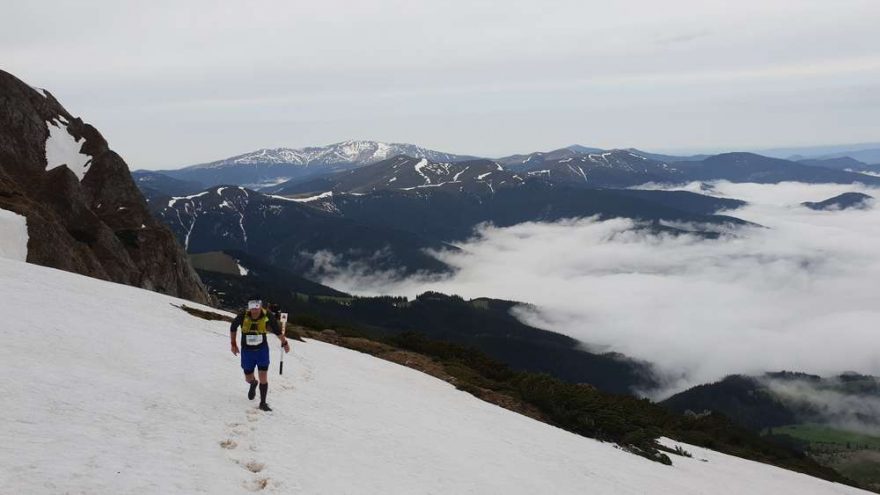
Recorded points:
174,200
13,236
63,149
419,167
323,195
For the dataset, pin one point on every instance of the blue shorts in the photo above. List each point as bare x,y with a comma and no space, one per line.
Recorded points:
258,358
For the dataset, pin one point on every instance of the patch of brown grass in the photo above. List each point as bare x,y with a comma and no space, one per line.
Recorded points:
204,314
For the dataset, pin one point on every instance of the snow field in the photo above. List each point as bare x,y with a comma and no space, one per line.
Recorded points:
13,236
112,389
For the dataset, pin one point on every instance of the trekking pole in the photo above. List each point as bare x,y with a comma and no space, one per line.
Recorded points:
283,331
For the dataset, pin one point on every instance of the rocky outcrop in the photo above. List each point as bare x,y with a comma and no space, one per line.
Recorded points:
84,212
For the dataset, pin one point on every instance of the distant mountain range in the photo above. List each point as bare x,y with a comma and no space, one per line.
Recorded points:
384,215
360,166
392,229
616,168
863,152
288,233
592,170
871,156
749,167
843,163
266,167
534,160
610,169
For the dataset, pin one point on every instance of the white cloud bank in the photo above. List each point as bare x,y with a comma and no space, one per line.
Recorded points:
803,294
850,411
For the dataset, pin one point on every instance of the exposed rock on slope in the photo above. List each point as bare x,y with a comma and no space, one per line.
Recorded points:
84,212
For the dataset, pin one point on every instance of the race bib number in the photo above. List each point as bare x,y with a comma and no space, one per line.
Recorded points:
251,339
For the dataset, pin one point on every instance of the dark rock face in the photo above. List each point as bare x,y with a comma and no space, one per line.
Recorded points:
98,226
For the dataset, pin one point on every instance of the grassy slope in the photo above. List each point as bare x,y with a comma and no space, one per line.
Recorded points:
824,435
854,455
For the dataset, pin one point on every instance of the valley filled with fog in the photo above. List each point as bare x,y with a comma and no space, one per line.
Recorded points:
796,291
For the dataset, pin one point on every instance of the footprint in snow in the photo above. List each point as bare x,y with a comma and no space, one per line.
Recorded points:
257,484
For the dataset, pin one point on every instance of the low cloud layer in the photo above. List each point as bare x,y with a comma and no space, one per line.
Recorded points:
830,403
801,294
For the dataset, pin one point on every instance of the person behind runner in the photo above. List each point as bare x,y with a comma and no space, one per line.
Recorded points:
255,324
275,310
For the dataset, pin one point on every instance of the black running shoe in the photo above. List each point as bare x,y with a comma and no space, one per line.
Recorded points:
252,392
265,407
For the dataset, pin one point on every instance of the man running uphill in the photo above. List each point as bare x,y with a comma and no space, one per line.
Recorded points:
255,323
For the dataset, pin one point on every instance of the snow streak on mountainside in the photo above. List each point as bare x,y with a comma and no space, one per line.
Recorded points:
160,407
408,173
189,208
287,232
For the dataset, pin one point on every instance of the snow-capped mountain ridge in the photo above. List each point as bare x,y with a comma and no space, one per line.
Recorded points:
269,167
608,168
357,152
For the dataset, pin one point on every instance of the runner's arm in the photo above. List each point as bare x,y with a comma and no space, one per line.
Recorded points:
233,329
277,330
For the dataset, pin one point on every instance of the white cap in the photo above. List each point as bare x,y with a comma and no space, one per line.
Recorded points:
255,304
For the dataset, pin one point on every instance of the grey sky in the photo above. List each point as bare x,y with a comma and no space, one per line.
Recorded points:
173,83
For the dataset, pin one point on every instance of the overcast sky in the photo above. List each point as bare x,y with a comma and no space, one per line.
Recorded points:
172,83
